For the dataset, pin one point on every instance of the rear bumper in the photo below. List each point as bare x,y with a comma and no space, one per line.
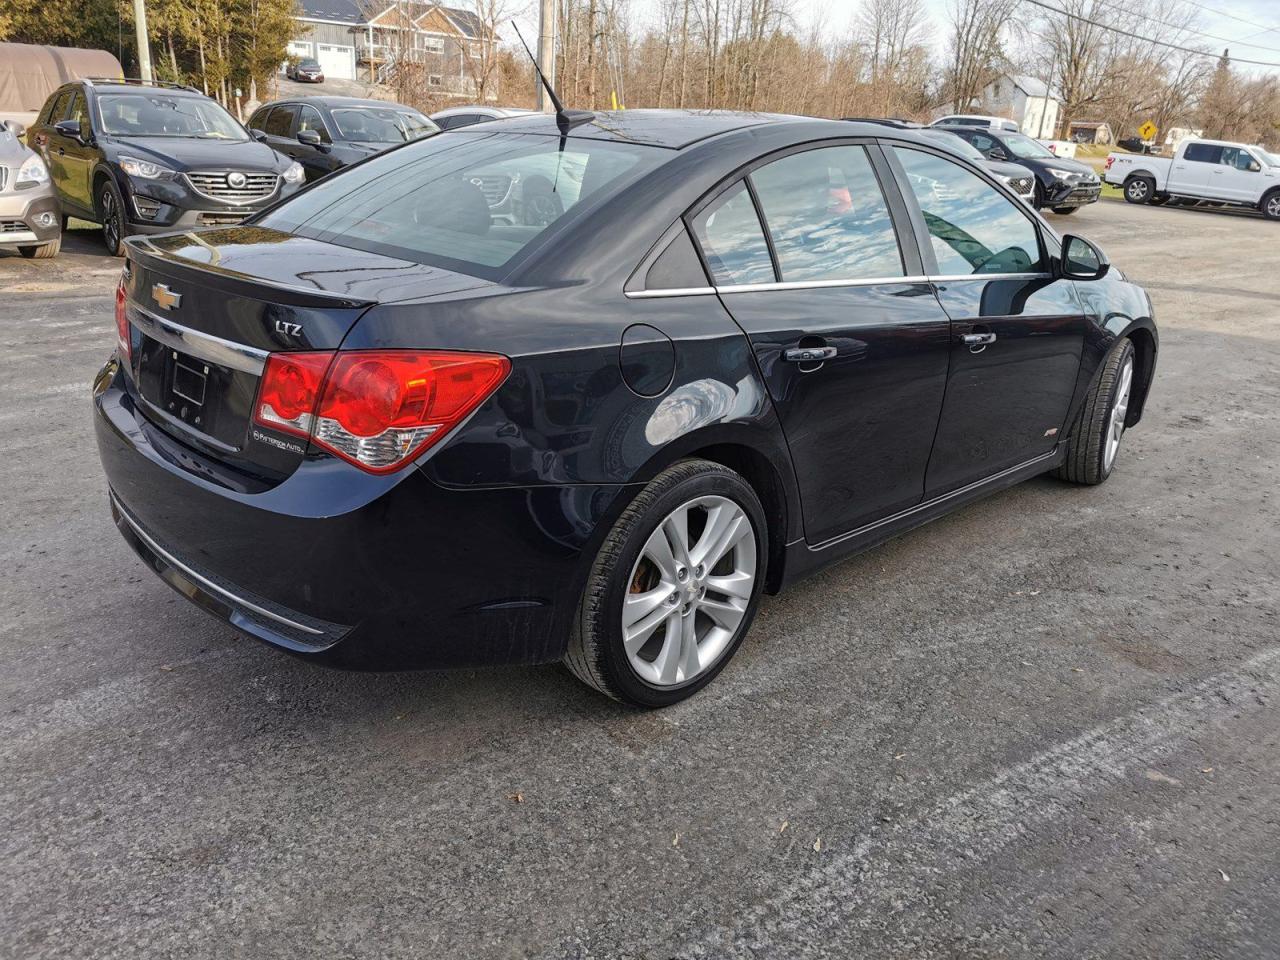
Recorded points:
350,569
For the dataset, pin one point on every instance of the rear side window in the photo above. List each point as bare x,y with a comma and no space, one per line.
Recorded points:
827,216
281,121
1203,153
973,228
732,239
471,203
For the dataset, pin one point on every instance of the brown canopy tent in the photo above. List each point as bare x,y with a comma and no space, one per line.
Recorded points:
29,73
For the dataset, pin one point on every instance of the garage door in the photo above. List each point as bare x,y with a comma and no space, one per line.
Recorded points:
335,61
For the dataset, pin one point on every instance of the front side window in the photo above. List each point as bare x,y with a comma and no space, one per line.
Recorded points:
1236,158
732,239
80,113
157,115
827,216
310,119
973,228
1025,148
470,203
58,109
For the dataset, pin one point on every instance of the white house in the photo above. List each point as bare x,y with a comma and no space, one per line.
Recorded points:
1026,101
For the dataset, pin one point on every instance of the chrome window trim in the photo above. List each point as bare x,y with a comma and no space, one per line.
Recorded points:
672,292
816,284
206,346
204,582
821,284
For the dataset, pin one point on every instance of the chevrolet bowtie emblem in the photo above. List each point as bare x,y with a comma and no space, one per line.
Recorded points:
165,297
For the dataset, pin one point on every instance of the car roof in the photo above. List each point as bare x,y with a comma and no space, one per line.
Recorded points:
672,129
335,101
496,112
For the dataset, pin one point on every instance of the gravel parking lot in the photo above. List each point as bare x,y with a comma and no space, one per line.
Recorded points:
1045,726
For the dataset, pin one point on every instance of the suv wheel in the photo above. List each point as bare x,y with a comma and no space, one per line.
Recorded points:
674,587
1271,205
111,215
45,251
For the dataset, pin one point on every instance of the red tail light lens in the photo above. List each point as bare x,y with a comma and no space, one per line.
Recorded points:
375,408
1109,162
122,322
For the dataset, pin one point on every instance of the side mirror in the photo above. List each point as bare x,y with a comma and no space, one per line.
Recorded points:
309,138
1255,166
1082,260
68,128
259,135
995,153
14,127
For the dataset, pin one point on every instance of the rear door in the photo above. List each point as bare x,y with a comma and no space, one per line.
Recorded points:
1191,172
52,146
1017,331
850,340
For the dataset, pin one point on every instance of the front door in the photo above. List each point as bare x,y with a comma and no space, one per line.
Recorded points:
1016,330
80,157
849,338
1235,178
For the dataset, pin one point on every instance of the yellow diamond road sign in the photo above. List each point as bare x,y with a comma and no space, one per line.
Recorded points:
1148,131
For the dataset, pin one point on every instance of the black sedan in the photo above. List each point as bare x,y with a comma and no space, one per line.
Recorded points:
327,133
1062,185
379,427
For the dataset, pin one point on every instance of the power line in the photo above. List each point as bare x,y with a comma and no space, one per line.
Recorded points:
1261,26
1185,29
1138,36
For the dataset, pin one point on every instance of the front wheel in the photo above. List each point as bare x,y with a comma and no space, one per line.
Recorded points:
45,251
674,587
1271,205
111,215
1095,435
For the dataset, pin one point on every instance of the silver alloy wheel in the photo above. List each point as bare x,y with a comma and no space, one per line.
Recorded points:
1119,408
1273,207
1138,189
689,591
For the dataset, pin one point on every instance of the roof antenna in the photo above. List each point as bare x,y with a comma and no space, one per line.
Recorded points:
566,120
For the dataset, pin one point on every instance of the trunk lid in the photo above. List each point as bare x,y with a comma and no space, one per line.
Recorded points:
206,309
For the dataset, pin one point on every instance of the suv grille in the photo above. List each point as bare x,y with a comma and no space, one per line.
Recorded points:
1021,184
13,226
216,186
495,188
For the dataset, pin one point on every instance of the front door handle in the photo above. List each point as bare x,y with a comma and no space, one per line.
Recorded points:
977,342
808,354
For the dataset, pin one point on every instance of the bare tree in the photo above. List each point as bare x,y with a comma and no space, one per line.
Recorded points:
975,51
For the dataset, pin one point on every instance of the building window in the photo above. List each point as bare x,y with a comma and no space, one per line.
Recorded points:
434,80
433,44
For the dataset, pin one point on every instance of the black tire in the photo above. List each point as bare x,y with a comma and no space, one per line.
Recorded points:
115,227
1038,198
1086,444
1065,211
1139,189
45,251
1270,205
596,655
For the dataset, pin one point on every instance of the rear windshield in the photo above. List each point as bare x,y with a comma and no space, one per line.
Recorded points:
472,202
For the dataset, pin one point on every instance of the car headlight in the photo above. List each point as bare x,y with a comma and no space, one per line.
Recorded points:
145,169
294,174
32,173
1060,174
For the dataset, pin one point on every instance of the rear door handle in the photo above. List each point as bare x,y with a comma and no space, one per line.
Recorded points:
978,339
808,354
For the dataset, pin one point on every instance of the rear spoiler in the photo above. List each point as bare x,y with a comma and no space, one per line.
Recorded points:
146,253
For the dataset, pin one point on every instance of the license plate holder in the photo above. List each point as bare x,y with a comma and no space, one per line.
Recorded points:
190,383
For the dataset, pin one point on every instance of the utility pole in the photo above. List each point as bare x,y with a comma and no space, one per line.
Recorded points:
144,49
546,51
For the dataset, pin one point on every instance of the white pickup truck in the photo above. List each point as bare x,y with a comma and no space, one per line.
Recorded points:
1211,170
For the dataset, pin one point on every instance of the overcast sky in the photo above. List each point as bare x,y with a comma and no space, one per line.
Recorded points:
1256,39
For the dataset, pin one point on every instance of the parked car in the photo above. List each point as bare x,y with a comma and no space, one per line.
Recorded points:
466,116
1062,185
30,221
977,121
378,428
327,133
1016,178
1237,174
305,70
148,158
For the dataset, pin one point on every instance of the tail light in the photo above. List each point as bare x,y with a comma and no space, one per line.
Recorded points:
375,408
1109,162
122,322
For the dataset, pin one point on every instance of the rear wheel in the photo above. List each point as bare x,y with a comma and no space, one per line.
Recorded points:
1271,205
674,587
111,215
1100,424
45,251
1139,189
